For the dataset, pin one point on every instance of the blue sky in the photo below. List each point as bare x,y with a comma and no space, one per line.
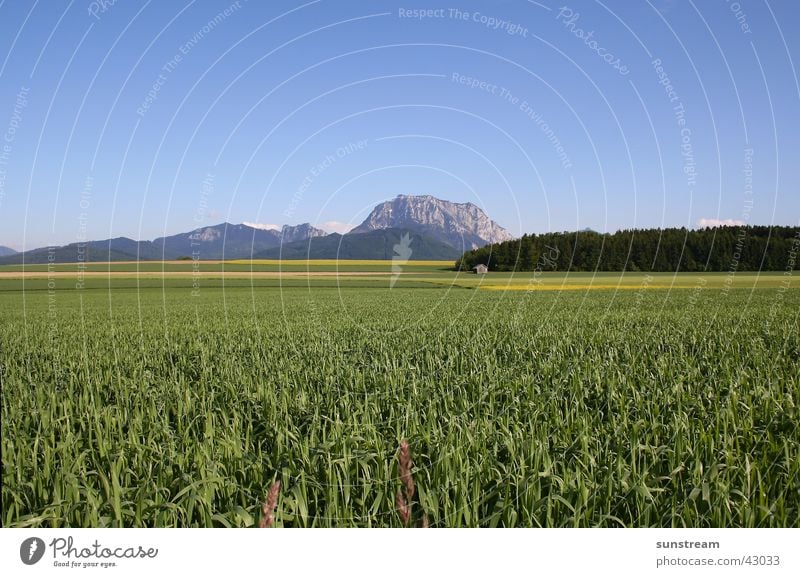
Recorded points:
143,119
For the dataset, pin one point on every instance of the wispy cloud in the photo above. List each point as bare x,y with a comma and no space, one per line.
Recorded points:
262,226
712,222
336,226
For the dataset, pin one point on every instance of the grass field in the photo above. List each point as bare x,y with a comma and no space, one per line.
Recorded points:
234,266
629,400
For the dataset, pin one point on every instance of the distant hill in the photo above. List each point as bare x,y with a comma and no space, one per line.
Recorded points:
463,226
7,251
71,253
383,244
229,241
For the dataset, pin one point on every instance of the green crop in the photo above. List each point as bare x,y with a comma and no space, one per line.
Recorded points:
155,408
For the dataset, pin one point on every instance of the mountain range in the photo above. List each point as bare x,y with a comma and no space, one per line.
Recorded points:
429,228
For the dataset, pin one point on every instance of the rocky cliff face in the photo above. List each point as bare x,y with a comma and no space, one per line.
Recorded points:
299,232
461,225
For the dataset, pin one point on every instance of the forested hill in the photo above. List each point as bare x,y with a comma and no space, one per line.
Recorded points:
722,249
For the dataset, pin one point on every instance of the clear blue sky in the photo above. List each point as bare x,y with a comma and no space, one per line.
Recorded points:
288,112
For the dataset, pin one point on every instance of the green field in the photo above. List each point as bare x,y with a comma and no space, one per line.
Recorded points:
236,266
625,400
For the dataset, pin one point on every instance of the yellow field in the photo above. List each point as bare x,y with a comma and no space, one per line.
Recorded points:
632,282
581,287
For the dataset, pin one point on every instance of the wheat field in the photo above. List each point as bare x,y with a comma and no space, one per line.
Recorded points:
140,405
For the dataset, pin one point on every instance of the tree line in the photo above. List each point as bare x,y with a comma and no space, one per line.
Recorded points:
717,249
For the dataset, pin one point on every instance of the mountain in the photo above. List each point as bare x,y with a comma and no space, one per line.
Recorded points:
384,244
7,251
300,232
439,229
230,241
463,226
71,253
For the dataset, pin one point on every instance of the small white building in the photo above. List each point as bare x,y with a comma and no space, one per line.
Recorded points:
480,269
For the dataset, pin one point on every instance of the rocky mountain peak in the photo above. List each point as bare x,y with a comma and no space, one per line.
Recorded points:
462,225
300,232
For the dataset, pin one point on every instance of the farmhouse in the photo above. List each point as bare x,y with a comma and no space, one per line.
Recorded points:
480,269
